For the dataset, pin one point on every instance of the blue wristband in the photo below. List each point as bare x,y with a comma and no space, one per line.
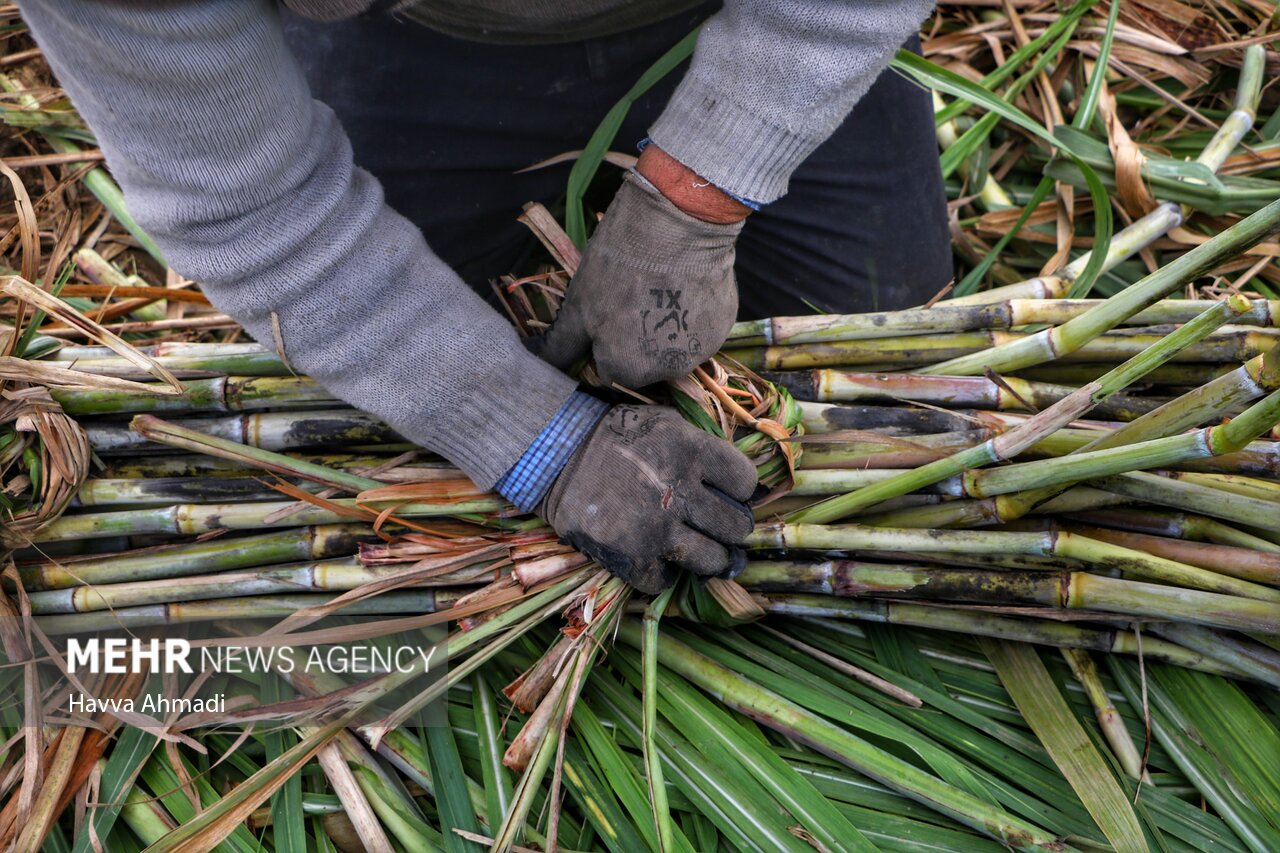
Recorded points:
529,480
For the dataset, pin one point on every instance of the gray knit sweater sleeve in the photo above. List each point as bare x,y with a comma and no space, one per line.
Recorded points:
248,186
772,79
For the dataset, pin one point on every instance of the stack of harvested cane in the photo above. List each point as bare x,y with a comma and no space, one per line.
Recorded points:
954,492
1102,521
913,478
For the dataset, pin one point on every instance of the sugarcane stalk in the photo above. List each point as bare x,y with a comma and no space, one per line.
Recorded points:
824,418
201,465
1150,567
216,394
986,512
1246,563
1152,488
1082,499
1010,444
210,352
887,453
778,508
1184,375
840,577
855,537
189,519
338,575
1230,437
1227,469
821,328
265,430
837,480
1124,244
1257,459
532,685
923,352
956,513
995,562
244,607
1180,525
1058,341
165,432
1166,312
1253,659
98,269
954,316
144,815
781,714
1064,590
990,193
861,443
1252,380
1109,719
293,544
1010,393
1266,533
1244,111
844,386
827,464
958,620
1253,487
255,362
1256,378
893,420
924,349
168,490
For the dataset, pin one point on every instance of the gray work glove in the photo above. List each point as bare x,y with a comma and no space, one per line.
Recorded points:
654,297
647,494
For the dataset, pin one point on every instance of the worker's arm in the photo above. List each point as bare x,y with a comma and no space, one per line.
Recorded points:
248,186
772,79
769,82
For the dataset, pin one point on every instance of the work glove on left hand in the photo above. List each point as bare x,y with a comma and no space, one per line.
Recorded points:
655,295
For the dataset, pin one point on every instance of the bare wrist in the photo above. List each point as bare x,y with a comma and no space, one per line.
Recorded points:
688,191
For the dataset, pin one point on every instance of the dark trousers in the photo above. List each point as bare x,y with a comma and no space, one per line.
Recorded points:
445,124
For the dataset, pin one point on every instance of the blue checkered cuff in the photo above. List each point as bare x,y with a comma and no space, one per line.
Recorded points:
751,203
531,477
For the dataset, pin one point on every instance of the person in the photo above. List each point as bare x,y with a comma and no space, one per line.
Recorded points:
292,162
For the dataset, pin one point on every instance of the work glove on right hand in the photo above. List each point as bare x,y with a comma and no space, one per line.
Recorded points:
654,297
647,494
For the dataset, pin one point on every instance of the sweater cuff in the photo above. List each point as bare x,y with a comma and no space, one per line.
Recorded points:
529,480
742,153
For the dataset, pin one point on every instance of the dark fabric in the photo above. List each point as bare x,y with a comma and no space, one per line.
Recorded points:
446,123
522,22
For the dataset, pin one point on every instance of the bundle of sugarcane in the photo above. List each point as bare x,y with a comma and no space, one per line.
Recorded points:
954,492
1053,562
